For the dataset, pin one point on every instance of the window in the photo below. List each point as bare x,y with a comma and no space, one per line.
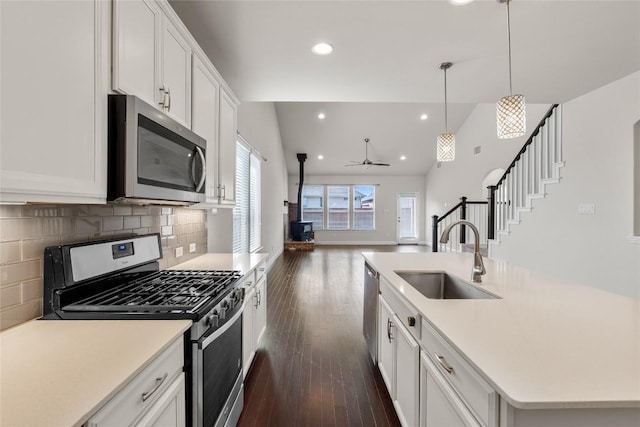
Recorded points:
338,208
247,213
313,205
363,207
348,207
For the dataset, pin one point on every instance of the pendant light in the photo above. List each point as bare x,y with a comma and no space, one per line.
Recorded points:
511,110
446,143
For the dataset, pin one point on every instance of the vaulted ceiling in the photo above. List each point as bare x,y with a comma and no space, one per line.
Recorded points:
383,73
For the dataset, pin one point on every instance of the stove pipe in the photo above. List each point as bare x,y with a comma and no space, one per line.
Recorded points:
301,158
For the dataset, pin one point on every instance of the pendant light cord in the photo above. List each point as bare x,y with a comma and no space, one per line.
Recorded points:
445,101
509,41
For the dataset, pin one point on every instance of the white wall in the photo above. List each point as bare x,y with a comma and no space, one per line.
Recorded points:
258,124
465,175
386,215
598,131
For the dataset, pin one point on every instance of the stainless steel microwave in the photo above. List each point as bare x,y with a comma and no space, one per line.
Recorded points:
152,158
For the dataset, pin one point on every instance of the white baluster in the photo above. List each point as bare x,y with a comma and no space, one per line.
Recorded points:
557,115
550,126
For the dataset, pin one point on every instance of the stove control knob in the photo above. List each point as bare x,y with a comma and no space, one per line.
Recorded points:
212,319
223,309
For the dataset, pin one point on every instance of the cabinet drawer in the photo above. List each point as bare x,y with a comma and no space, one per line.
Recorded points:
404,312
472,388
128,405
260,270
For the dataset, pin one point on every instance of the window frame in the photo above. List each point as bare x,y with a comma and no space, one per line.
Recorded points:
326,208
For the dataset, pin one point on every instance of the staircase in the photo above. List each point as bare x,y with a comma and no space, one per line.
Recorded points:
536,166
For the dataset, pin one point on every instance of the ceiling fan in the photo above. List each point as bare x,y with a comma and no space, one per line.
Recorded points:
366,162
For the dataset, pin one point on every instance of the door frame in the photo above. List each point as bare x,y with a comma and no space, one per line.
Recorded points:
407,241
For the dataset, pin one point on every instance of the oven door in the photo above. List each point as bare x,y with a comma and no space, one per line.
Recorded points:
217,376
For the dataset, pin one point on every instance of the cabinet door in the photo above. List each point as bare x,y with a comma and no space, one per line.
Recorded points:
261,312
439,404
169,410
204,119
407,374
248,321
136,49
386,356
55,62
176,73
227,149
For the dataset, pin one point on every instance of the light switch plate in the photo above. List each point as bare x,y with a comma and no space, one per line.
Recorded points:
192,247
179,252
586,208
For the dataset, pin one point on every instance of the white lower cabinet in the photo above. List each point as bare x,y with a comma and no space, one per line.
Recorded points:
398,357
155,397
440,406
254,319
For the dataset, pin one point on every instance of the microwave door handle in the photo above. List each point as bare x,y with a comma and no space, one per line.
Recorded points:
204,169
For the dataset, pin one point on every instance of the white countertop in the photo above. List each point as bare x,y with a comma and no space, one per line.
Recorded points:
547,343
242,262
60,372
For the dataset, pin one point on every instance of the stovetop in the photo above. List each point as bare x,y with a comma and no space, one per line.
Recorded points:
168,292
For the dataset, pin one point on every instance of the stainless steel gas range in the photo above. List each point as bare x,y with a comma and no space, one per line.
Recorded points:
120,279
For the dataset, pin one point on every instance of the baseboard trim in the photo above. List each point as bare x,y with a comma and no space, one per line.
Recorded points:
355,243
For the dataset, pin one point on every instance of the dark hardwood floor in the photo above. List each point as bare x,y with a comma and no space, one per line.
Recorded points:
314,368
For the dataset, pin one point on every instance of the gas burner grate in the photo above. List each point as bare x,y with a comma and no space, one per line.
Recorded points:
163,291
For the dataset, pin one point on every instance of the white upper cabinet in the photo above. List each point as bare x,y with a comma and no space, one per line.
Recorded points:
227,149
55,74
204,120
152,57
136,49
176,73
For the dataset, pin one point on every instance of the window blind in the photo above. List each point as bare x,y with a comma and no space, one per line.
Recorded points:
255,202
241,210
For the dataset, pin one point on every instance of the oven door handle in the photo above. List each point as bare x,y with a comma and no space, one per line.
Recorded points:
208,340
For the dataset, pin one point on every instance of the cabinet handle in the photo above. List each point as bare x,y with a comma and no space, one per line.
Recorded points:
443,363
164,97
168,100
159,382
257,300
389,326
223,189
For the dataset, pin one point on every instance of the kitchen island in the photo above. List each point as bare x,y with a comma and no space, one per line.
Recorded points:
551,349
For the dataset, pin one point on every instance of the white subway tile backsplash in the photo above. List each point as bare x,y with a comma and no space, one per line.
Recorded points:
88,224
32,290
9,252
167,230
15,315
34,248
122,210
131,222
112,223
11,295
167,211
146,221
19,272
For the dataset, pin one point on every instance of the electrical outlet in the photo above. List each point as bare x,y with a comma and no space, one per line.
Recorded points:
192,247
179,252
586,208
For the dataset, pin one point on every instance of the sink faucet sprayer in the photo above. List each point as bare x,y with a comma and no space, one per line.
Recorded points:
478,265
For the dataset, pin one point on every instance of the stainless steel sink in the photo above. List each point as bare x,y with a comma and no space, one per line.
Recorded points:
438,285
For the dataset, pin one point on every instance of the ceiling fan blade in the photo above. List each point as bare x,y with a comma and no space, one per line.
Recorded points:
354,164
380,164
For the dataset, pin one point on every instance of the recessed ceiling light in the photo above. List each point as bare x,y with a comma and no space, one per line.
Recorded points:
322,49
320,157
460,2
424,117
321,116
403,157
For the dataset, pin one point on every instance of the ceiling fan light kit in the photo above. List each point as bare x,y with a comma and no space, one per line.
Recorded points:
511,110
446,142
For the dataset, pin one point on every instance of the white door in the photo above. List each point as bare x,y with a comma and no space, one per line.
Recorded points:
176,73
248,326
407,374
407,230
386,356
261,311
227,149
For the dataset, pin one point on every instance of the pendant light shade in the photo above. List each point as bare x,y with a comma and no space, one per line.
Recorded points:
446,142
511,115
511,111
446,147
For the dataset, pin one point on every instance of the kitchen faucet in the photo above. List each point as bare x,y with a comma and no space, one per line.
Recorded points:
478,265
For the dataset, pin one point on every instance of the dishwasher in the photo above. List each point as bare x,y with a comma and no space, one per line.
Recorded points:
370,315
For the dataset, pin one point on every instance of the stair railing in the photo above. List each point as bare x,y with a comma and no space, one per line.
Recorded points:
472,211
536,164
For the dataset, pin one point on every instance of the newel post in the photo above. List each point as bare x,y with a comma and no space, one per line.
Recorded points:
434,234
491,211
